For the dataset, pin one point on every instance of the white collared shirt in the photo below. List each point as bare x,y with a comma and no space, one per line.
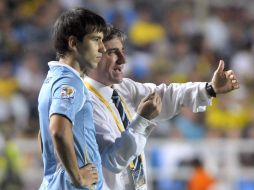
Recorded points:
118,149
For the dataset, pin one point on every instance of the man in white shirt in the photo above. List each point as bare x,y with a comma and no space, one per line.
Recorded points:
118,147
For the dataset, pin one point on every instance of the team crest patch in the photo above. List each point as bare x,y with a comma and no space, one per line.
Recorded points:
67,91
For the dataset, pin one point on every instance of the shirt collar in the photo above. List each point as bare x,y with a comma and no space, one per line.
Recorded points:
57,63
105,91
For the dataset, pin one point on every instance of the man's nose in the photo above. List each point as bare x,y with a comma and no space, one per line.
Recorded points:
102,48
121,58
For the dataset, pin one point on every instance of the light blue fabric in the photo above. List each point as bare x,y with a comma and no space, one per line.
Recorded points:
63,92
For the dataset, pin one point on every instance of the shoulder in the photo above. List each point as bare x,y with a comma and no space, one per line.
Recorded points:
66,77
129,86
67,85
128,81
126,84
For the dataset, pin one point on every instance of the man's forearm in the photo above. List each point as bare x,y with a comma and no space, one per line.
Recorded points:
66,153
116,156
61,132
39,141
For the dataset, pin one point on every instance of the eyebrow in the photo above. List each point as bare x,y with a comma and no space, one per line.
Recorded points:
97,36
114,49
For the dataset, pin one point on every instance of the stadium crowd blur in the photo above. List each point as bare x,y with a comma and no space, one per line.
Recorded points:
168,41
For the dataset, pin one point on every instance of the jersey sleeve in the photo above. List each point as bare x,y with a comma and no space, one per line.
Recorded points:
67,98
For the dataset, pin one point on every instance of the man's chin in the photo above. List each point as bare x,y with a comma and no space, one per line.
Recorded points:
88,65
93,65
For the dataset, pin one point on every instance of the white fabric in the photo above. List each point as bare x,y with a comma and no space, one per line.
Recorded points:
118,149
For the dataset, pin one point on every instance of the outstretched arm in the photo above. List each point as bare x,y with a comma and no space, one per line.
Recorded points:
177,95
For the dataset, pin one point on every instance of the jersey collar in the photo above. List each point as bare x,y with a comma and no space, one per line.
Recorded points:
56,63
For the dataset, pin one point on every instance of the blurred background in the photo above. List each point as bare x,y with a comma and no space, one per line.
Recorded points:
168,41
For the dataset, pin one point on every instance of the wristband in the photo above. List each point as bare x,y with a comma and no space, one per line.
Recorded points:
209,89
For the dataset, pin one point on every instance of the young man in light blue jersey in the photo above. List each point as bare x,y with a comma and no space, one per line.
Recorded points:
69,149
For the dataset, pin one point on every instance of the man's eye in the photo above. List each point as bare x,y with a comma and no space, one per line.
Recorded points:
110,52
96,39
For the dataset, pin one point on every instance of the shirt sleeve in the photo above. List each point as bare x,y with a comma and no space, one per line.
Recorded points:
65,95
174,96
141,125
118,151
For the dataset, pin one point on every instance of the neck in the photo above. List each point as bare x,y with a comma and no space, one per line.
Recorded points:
68,60
95,76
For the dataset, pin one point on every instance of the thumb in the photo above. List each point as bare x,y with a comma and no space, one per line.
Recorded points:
148,96
220,67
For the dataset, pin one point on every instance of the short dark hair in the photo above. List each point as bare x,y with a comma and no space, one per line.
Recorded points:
77,22
113,32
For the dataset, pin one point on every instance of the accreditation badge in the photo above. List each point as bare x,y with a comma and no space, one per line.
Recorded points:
138,177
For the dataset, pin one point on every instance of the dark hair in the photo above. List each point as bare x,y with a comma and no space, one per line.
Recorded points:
113,32
77,22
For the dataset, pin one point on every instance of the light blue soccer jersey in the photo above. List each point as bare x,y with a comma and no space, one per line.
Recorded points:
64,93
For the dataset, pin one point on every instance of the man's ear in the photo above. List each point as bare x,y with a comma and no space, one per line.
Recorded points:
72,42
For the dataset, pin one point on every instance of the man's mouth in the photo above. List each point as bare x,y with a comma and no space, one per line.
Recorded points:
118,69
